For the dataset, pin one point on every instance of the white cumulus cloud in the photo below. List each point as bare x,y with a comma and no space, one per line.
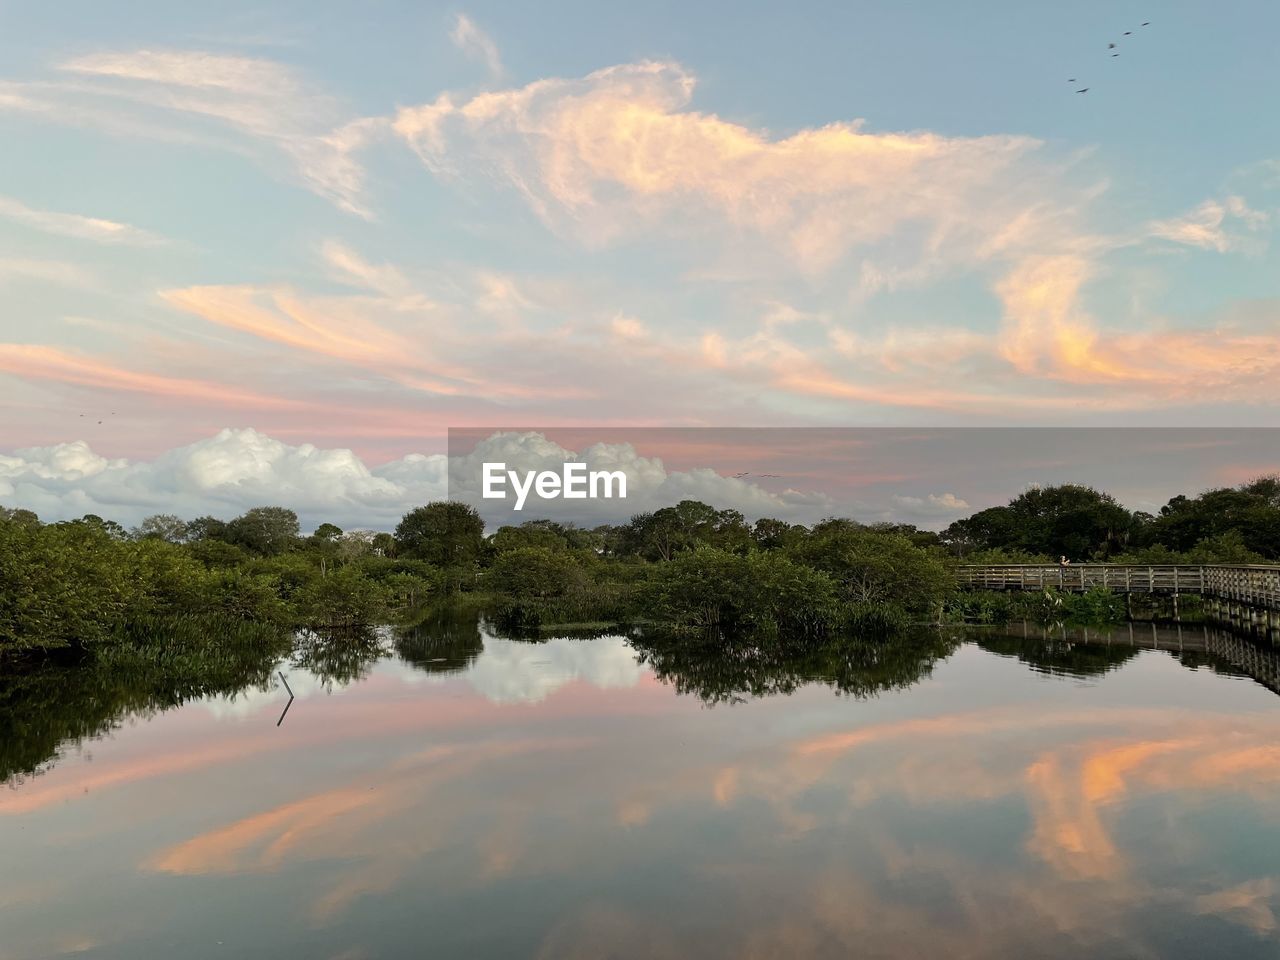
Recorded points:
514,672
932,506
222,475
650,485
238,468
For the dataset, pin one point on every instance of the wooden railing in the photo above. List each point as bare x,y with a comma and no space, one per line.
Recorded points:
1254,585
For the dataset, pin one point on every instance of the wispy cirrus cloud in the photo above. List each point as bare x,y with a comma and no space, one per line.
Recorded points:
75,225
622,154
45,363
381,337
621,150
260,102
352,268
1207,226
775,262
477,45
63,273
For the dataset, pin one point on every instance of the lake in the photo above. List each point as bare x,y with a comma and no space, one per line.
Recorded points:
450,793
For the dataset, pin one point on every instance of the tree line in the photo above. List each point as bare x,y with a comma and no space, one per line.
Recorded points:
90,583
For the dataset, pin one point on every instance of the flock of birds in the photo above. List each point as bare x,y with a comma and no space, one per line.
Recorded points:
1114,53
113,413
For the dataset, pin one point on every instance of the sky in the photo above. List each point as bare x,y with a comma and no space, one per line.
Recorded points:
337,230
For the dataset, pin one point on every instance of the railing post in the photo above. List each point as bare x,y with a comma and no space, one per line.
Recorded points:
1256,587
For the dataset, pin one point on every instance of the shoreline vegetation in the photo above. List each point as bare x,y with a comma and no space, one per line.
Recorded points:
90,588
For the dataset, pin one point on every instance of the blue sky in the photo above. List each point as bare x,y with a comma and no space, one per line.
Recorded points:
355,225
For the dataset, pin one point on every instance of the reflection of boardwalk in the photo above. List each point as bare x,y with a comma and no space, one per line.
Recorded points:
1261,663
1259,660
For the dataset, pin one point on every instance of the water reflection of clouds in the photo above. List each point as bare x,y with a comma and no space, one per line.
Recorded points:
1249,903
521,671
514,672
248,702
372,833
872,790
898,827
507,671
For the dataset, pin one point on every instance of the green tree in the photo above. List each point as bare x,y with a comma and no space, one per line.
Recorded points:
689,524
758,592
19,516
216,554
345,599
877,568
446,533
207,528
532,533
411,590
1069,520
61,585
162,526
535,572
770,534
95,522
326,546
266,531
384,545
1252,510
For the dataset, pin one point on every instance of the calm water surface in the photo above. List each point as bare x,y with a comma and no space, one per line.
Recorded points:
469,796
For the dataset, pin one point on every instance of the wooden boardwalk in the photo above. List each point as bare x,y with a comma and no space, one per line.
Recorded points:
1254,586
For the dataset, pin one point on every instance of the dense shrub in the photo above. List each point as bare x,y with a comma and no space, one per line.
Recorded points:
535,572
713,588
877,568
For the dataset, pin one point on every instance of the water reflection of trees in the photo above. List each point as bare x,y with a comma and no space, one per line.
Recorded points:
1057,657
445,641
338,657
449,640
1091,651
721,670
45,708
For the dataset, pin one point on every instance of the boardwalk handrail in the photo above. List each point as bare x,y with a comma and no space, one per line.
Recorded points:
1257,585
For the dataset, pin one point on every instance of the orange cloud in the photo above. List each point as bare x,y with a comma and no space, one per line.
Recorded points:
1048,333
620,147
262,841
37,362
406,338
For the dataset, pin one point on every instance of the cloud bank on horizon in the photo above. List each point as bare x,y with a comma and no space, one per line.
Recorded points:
926,477
236,469
228,217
